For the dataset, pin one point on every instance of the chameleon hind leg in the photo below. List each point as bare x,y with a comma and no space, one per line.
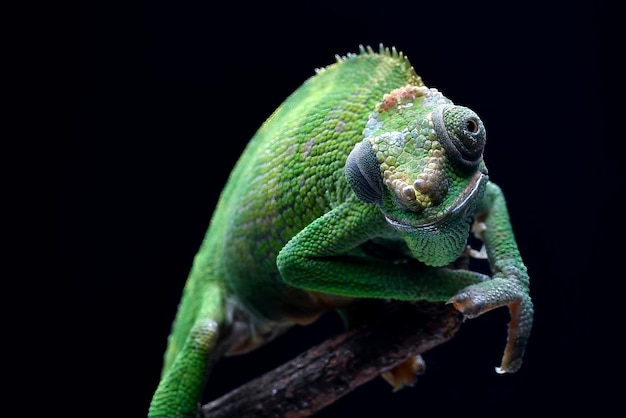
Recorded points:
364,310
179,391
195,344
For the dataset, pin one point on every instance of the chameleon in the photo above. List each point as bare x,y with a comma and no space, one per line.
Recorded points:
364,184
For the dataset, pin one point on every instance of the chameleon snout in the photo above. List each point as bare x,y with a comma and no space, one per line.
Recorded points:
428,189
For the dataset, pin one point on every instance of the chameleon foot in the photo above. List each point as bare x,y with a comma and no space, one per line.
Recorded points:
480,298
405,373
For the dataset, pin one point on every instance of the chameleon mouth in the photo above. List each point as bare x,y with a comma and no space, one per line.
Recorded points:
458,209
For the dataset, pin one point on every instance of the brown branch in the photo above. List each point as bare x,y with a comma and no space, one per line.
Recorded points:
325,373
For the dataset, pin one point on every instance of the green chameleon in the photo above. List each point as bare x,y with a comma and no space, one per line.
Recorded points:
364,183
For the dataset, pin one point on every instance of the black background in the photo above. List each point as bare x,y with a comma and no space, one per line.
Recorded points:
165,96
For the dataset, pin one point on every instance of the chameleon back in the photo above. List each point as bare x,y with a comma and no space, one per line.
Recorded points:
291,173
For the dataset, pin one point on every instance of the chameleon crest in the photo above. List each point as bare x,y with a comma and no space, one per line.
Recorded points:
362,185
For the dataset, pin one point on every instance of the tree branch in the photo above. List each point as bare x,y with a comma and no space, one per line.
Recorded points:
328,371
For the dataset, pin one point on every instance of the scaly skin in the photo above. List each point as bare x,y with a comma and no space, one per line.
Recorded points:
363,184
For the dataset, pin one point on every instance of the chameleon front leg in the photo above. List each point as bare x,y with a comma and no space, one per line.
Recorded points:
510,283
318,259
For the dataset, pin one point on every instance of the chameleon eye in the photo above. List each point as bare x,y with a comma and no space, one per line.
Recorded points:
461,132
472,126
363,173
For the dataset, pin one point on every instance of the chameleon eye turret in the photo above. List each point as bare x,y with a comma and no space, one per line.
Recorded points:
363,173
462,134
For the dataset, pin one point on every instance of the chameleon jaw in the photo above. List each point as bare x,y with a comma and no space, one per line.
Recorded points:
458,208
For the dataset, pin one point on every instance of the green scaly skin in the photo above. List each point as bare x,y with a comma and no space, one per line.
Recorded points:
364,183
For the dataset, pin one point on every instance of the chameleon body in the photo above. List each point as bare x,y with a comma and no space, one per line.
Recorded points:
364,183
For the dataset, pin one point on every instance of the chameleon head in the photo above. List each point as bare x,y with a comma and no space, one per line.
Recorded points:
421,161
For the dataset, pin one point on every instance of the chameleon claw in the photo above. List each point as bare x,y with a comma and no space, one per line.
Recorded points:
512,367
468,303
478,254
